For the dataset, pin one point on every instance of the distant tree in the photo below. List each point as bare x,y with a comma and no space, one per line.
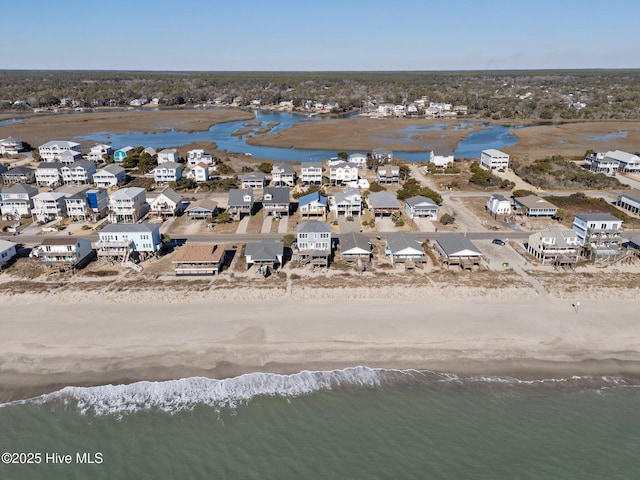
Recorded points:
288,240
265,167
343,155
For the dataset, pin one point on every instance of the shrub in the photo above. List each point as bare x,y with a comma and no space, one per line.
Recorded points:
447,219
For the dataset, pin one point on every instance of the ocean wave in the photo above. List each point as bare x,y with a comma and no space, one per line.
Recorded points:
173,396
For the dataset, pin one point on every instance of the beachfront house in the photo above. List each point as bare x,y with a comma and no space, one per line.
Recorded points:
283,175
167,203
168,155
441,158
276,201
342,172
456,249
498,205
403,248
555,245
630,201
120,154
17,201
493,159
48,206
419,206
348,202
311,173
254,180
265,253
313,243
240,202
109,176
127,205
49,174
24,175
355,248
50,151
79,172
121,241
312,204
167,172
202,209
388,174
598,233
7,252
534,206
63,252
98,152
200,259
194,157
383,204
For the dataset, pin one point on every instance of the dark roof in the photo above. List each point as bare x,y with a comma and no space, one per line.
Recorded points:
597,217
236,196
264,251
383,200
130,228
452,243
18,171
351,240
633,194
418,199
313,226
278,195
397,241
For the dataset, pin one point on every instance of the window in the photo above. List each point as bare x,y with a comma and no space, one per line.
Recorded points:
303,235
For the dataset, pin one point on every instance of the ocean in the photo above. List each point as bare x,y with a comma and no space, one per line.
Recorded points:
356,423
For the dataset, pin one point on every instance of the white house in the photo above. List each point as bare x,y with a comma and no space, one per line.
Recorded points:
118,240
498,205
252,180
197,156
166,203
601,232
98,151
630,201
17,201
311,173
49,174
343,172
79,172
200,172
358,159
50,151
71,252
167,155
628,162
49,206
167,172
127,205
421,207
313,242
10,146
556,244
347,202
442,158
494,159
7,252
283,176
109,176
69,156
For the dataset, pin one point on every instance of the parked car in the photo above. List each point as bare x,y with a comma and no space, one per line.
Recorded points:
498,241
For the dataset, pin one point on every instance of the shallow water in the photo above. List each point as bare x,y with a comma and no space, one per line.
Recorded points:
355,423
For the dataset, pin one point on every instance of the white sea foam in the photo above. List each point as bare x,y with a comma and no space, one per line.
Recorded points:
185,394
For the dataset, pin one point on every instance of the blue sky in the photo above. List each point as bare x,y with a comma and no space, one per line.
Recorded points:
282,35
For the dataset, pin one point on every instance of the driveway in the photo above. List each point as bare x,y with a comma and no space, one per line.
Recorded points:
424,224
385,224
347,227
243,224
266,224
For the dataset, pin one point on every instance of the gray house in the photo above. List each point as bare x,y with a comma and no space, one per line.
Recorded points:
421,207
240,202
455,249
383,204
313,243
402,248
355,247
276,201
264,253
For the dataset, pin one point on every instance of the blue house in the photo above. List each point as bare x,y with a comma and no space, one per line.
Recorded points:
120,155
122,239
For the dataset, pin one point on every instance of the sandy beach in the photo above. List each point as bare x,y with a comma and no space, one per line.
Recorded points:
56,338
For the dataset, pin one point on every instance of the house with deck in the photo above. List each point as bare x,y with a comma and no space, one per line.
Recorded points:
69,156
555,245
441,158
98,152
534,206
265,253
341,173
196,156
202,209
50,151
311,173
419,206
382,155
283,175
77,205
383,204
456,249
313,243
240,202
11,146
122,241
358,159
167,203
79,172
200,259
312,204
63,252
168,155
388,174
24,175
348,202
355,248
254,180
598,233
276,201
127,205
597,163
48,206
498,205
199,172
7,252
403,248
17,201
493,159
109,176
49,174
627,162
630,201
167,172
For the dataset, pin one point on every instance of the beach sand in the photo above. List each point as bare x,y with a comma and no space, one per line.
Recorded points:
58,338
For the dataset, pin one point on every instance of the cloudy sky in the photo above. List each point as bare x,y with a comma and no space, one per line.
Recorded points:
282,35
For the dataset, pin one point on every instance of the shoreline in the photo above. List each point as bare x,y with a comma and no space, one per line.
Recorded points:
52,344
